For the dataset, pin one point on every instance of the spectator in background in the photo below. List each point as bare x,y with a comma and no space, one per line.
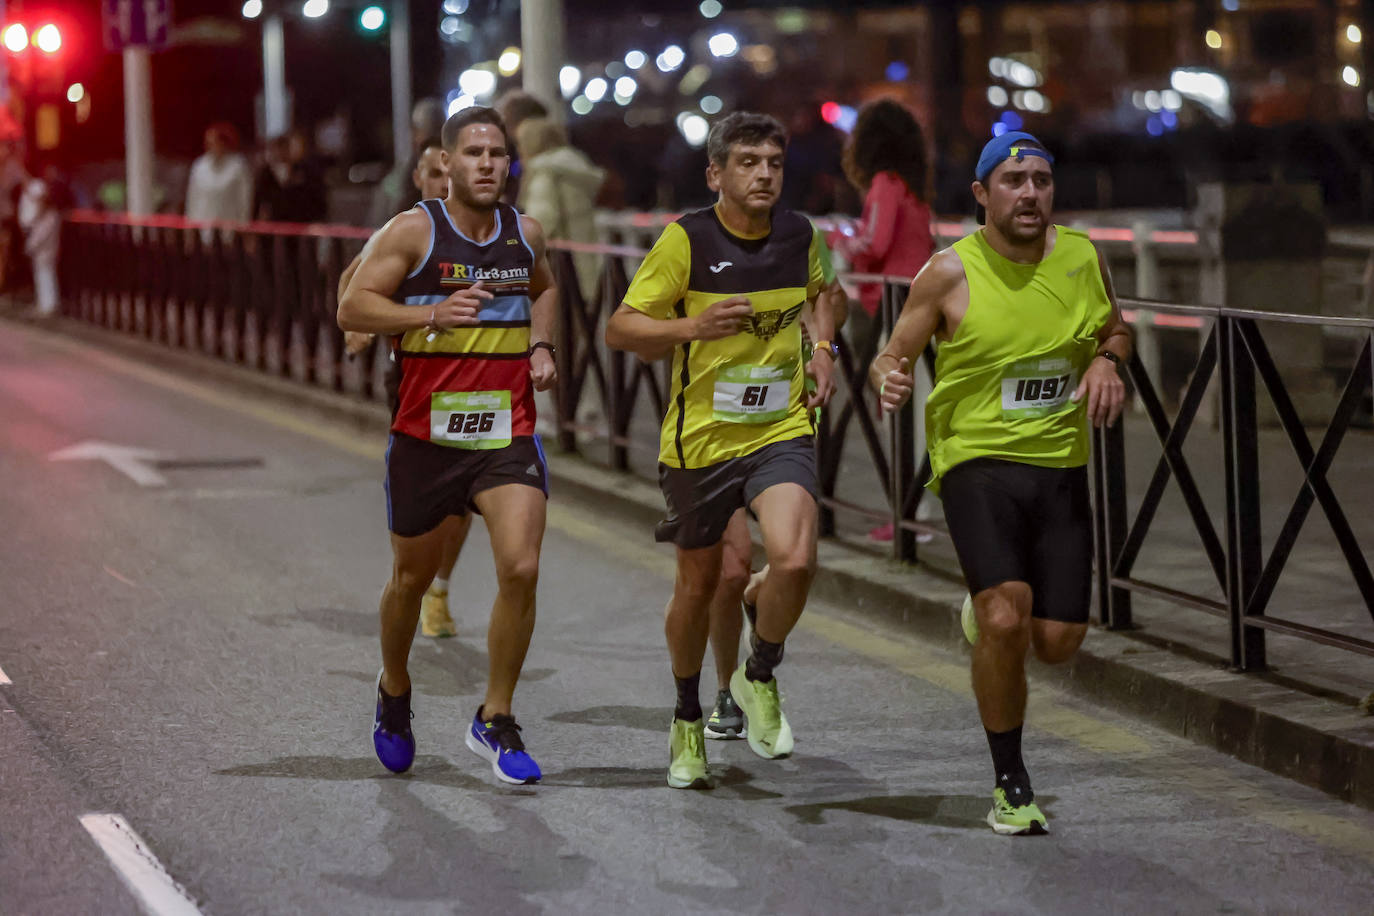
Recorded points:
395,192
220,186
42,225
813,164
269,184
885,159
303,197
559,189
515,107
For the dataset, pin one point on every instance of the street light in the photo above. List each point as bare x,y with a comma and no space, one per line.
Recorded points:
314,9
16,38
252,9
48,38
372,18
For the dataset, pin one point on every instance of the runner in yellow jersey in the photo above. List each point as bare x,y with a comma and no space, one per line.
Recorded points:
1031,341
723,290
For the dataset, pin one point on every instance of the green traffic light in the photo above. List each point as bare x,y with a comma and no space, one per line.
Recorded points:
372,18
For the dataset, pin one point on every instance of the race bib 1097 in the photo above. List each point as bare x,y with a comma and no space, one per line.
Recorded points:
1037,387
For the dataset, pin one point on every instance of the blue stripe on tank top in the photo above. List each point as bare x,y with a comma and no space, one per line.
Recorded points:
506,308
425,300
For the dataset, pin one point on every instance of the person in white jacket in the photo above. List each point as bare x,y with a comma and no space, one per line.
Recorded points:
220,187
558,187
42,226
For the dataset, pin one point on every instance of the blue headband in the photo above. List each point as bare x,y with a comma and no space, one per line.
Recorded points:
999,149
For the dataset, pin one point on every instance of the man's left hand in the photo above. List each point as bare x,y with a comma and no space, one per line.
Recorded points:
1104,390
822,370
543,371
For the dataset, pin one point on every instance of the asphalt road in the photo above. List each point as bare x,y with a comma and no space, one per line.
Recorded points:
197,654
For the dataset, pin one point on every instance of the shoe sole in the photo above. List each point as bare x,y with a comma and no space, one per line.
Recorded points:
1036,828
438,634
728,734
701,782
783,743
486,753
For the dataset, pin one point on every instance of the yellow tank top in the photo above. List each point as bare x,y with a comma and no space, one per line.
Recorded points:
1002,383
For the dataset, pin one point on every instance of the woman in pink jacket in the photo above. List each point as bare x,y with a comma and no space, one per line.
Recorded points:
886,160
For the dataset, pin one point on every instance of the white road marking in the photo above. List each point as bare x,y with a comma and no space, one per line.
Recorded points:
126,459
4,679
158,892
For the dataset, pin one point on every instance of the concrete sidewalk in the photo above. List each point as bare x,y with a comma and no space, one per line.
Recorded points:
1286,722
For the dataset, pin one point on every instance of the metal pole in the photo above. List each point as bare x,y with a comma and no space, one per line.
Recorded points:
541,39
275,117
400,80
138,131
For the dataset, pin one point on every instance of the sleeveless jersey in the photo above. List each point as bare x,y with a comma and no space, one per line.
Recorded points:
468,387
1002,383
733,396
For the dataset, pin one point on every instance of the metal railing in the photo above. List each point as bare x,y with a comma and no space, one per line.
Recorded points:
264,295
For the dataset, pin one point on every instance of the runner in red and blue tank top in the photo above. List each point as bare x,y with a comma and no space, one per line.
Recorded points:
464,286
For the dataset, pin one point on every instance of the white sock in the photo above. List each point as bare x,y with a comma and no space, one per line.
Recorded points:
439,585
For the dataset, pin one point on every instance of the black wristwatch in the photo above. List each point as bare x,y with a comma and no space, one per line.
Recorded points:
542,345
1109,355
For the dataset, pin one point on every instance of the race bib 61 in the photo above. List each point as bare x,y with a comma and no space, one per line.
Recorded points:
753,394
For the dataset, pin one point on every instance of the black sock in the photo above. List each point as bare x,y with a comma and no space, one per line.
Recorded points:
763,659
1009,769
688,699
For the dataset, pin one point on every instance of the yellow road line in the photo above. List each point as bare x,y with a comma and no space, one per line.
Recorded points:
903,655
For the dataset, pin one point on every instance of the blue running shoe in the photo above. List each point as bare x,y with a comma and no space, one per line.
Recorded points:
498,740
391,736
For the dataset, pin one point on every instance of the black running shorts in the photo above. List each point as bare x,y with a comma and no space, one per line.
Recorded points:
426,483
1014,522
701,500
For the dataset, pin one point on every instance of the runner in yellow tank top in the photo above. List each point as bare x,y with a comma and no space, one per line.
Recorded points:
1030,341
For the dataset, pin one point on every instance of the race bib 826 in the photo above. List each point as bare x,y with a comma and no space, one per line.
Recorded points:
470,419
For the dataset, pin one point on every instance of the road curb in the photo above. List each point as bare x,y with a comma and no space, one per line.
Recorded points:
1311,739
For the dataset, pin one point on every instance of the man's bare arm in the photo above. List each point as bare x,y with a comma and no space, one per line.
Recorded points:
1115,336
543,306
922,314
365,303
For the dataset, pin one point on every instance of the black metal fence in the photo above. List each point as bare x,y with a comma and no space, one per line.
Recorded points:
245,293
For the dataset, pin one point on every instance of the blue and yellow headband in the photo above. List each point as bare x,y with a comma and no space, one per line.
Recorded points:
1007,146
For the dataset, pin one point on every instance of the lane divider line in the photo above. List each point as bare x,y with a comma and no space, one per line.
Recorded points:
158,892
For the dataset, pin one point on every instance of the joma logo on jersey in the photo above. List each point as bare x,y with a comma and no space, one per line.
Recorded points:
766,325
452,271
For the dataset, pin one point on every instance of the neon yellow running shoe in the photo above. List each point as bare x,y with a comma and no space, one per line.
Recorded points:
969,620
435,621
1015,820
687,756
768,733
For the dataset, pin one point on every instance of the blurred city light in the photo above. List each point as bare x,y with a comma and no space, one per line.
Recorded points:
1154,127
830,112
569,78
710,8
1213,39
1230,5
1204,86
1351,76
1168,119
477,83
997,96
509,61
1033,101
1171,99
252,9
372,18
314,9
1012,120
48,38
1022,74
896,71
455,7
595,90
1353,34
635,59
671,58
1153,101
998,128
998,67
582,104
615,69
694,129
723,44
462,101
625,87
75,93
711,104
16,38
449,25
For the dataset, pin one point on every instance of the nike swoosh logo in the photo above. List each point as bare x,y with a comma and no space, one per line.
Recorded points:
717,268
1076,271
